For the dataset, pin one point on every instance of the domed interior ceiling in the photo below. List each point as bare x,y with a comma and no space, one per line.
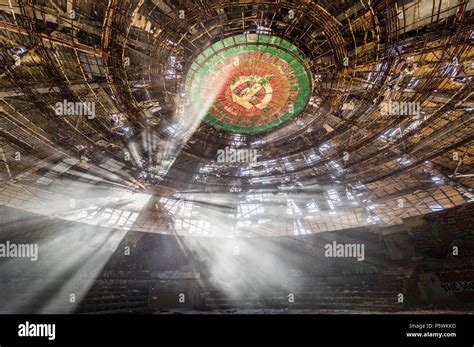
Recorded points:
354,113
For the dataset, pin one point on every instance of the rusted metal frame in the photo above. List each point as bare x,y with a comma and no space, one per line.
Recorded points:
113,70
422,160
445,108
427,122
54,142
25,123
19,143
410,149
460,187
105,129
31,95
53,158
196,37
48,70
5,162
92,124
71,44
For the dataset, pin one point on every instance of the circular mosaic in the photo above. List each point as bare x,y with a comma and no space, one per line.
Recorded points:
249,84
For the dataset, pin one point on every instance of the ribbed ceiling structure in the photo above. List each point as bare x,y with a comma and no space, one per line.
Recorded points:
343,160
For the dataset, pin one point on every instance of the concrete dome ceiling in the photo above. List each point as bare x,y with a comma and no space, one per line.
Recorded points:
335,157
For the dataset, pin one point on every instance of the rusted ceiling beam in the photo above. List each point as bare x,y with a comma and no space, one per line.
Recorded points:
57,40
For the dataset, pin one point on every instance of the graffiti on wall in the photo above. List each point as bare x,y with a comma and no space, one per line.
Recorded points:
447,287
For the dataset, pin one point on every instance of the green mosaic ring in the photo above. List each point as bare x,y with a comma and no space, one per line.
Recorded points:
249,84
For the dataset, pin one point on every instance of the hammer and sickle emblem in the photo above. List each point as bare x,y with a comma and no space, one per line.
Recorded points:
248,96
